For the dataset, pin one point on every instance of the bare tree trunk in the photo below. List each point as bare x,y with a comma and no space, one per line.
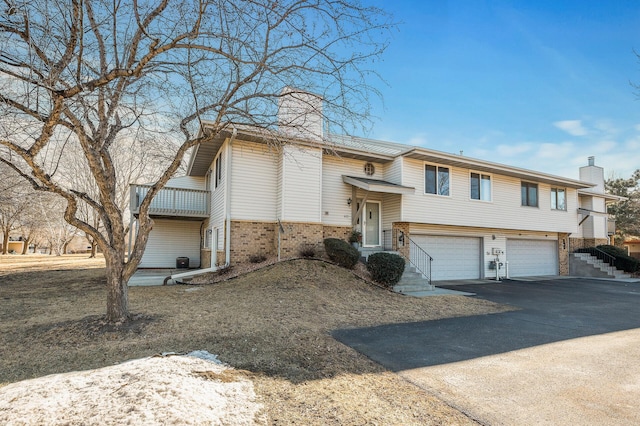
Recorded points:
25,247
117,290
5,242
93,250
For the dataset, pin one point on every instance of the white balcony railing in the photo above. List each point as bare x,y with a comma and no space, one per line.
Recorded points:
172,201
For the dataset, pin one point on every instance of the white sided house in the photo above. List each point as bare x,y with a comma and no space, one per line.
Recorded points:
459,217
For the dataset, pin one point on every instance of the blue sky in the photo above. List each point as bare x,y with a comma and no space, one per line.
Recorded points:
534,84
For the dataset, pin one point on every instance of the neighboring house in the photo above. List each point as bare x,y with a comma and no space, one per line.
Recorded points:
633,248
14,245
246,195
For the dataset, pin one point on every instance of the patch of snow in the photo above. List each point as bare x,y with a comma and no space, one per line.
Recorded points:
148,391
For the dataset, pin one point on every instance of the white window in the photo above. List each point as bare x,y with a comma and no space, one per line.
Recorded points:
218,171
529,194
208,234
436,180
207,180
480,187
558,199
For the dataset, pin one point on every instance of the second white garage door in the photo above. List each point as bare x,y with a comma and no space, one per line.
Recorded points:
532,257
454,258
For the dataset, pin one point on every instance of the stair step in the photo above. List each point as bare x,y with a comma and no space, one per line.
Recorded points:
411,288
600,265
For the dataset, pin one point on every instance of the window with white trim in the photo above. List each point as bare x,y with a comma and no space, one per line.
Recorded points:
436,180
218,171
208,235
529,192
480,187
558,199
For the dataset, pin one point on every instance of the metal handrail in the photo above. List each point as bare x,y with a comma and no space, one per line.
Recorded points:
418,258
601,255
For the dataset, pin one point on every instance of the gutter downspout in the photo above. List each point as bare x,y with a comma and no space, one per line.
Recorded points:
227,253
213,268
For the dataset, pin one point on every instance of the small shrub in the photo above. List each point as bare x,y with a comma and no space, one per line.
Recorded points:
257,258
224,270
355,237
623,260
386,268
308,251
341,252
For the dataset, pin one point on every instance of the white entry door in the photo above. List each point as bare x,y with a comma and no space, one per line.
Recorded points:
371,222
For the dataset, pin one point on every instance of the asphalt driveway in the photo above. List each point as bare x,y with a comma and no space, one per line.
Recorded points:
570,354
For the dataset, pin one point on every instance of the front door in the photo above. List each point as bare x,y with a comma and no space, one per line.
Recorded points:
371,222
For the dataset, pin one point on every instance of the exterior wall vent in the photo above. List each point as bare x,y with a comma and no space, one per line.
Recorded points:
369,169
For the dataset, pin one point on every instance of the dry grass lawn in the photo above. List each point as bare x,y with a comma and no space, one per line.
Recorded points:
274,323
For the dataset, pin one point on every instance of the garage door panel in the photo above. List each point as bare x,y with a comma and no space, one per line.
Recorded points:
532,257
453,257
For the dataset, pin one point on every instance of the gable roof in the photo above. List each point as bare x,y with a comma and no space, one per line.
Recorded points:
369,150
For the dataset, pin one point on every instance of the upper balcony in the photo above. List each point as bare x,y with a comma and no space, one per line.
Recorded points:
176,203
611,226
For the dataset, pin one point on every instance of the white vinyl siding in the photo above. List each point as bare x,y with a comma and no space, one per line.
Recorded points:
279,188
335,193
301,184
504,212
170,239
187,182
218,195
253,182
532,257
453,257
391,207
392,171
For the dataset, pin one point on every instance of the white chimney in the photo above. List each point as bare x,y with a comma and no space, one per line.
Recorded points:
300,114
593,174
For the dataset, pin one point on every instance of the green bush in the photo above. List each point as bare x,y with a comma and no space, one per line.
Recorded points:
386,268
623,260
341,252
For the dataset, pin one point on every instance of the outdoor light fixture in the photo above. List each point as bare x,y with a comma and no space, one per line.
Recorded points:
349,201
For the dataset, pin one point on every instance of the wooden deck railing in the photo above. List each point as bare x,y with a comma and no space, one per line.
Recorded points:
172,201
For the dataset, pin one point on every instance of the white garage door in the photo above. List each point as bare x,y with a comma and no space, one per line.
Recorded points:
532,257
170,239
454,258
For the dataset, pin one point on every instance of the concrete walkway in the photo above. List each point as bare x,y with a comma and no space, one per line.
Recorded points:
587,381
150,277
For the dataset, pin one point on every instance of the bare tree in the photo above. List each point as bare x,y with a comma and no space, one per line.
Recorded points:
135,164
13,201
86,74
31,221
